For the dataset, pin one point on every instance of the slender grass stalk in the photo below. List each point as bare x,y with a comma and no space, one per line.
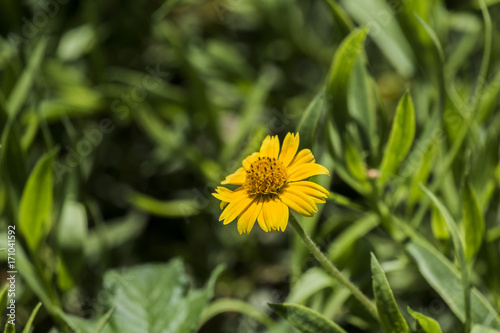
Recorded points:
331,269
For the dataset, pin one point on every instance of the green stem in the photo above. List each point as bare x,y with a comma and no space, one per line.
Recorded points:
331,269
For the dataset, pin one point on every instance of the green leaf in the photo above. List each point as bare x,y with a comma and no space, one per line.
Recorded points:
29,323
459,251
434,38
177,208
9,328
442,275
71,237
362,104
12,163
400,139
32,279
473,221
22,88
35,218
438,224
353,160
305,319
483,329
347,239
81,325
223,305
158,296
168,306
3,298
311,282
342,20
308,124
76,42
337,82
428,324
379,17
390,317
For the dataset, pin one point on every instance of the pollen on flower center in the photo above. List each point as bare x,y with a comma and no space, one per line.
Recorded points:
266,176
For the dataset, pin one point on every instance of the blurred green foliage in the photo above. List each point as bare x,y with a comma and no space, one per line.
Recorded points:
119,118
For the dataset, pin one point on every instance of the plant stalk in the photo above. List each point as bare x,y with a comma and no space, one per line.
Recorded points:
331,269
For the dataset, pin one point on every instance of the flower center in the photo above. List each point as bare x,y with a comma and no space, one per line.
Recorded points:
266,176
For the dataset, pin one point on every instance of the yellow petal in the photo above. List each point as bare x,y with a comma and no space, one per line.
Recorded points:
225,194
270,147
275,215
237,178
304,156
305,171
247,219
299,202
289,148
235,208
249,160
312,189
223,204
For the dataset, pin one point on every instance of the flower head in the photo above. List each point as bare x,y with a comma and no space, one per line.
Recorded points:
271,182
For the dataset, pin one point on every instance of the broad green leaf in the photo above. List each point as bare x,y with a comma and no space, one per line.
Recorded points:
177,208
35,210
400,139
168,306
428,324
438,224
337,82
473,221
29,323
71,238
305,319
380,19
22,88
81,325
309,122
459,251
390,317
158,295
442,275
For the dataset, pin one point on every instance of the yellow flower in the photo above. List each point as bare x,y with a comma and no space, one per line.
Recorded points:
271,182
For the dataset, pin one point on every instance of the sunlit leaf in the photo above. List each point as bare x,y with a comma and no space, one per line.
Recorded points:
473,221
390,317
35,211
441,274
29,323
337,82
71,238
400,139
428,324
